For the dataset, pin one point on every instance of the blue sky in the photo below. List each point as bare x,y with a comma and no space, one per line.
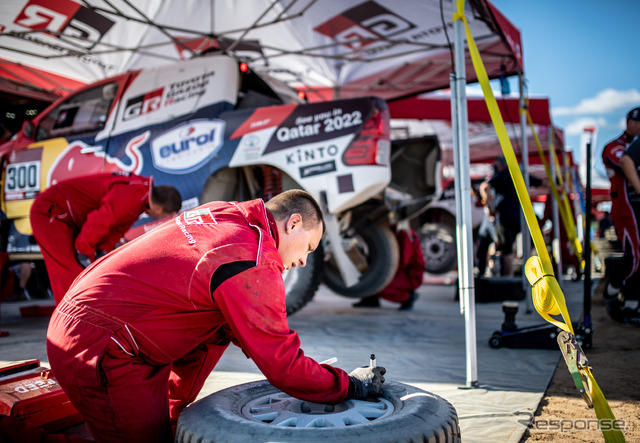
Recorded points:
583,55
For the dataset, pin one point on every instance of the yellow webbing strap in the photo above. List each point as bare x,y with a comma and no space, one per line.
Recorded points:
565,212
548,297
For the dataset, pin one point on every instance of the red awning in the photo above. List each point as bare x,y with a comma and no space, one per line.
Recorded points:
33,83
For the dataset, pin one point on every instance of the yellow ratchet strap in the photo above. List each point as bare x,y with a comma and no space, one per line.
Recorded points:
563,206
547,295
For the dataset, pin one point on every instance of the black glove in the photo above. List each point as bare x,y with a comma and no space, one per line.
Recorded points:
82,259
366,382
100,253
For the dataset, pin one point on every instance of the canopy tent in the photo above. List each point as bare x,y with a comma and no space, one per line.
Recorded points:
329,48
483,141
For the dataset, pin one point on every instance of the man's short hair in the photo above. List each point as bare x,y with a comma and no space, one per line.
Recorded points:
296,201
634,114
167,197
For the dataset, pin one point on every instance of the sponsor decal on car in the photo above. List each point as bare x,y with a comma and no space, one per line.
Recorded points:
317,169
188,146
312,124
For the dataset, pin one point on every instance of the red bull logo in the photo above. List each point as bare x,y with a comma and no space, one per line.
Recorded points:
80,158
187,147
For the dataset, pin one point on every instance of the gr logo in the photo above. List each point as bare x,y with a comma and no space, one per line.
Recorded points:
363,25
65,18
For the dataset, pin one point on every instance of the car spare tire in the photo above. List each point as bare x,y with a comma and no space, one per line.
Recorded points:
258,412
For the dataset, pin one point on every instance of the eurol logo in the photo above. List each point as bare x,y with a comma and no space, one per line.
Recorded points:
363,25
65,18
187,147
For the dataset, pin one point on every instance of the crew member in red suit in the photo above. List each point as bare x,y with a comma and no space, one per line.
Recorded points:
76,219
408,276
135,337
622,211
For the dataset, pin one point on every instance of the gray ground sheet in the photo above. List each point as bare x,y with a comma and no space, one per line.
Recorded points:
424,347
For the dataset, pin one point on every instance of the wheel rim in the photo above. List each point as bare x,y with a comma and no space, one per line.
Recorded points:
282,410
437,250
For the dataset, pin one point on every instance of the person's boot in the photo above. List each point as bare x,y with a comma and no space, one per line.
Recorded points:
631,317
368,302
408,304
613,303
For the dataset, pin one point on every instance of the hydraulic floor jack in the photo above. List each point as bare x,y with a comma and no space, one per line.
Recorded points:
542,336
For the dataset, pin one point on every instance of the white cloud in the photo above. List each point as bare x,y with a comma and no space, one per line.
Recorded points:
577,126
605,102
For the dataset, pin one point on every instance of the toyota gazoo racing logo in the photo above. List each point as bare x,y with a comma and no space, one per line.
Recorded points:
363,25
187,147
65,19
143,104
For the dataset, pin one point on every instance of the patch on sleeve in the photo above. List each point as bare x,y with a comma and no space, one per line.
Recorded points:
202,216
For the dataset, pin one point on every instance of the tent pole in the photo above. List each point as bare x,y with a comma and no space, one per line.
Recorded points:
462,185
556,244
525,237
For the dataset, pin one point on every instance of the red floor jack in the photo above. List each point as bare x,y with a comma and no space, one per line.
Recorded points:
29,392
544,336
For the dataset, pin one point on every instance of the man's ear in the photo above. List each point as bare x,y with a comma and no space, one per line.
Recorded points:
293,222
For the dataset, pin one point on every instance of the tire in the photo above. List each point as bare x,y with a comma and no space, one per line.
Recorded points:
438,243
495,341
377,248
258,412
301,284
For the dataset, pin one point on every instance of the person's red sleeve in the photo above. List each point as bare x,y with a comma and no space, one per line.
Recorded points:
253,304
189,374
118,210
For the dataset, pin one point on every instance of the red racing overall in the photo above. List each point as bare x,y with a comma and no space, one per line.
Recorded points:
84,214
134,339
622,212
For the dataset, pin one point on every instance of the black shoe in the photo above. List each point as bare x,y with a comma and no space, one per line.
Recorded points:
408,305
613,304
631,317
368,302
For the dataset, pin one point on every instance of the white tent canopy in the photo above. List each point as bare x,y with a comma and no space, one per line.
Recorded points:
330,48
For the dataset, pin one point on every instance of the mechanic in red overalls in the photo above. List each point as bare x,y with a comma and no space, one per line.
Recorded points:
77,218
622,212
135,337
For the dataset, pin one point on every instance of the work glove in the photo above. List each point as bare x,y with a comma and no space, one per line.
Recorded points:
366,383
83,259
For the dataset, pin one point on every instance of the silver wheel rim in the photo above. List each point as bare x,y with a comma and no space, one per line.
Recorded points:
282,410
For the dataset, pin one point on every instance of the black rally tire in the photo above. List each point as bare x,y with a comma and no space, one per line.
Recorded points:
417,416
438,242
379,246
301,283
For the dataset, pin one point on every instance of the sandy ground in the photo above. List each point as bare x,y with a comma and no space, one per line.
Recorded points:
615,359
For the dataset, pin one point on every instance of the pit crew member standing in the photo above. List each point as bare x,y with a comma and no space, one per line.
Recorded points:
75,218
135,337
622,210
